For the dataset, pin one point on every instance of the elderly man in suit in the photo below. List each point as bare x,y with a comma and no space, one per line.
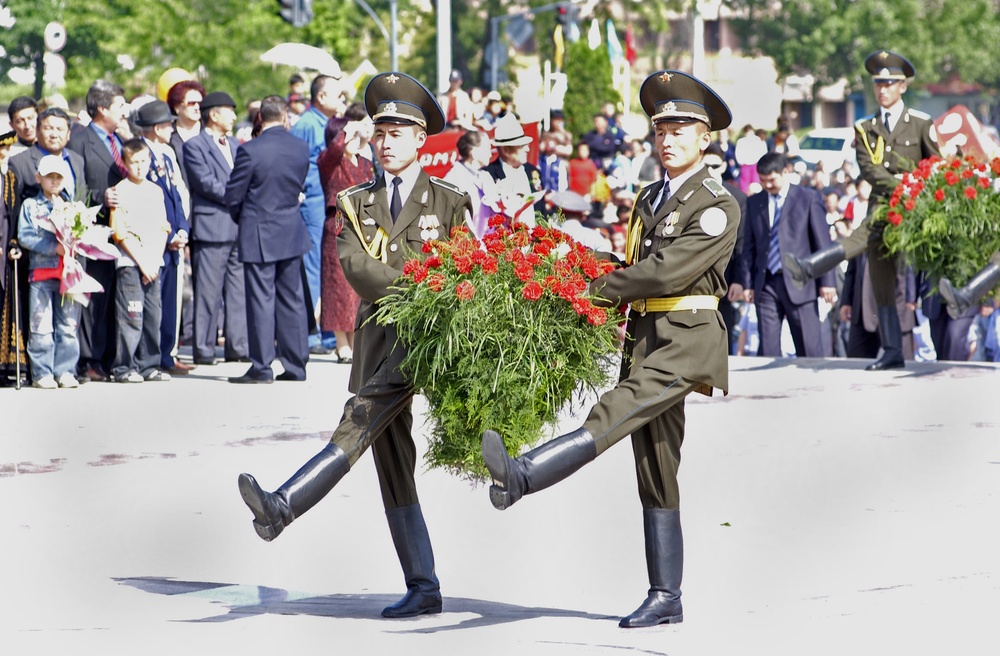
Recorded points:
378,232
103,168
215,260
263,198
511,176
784,218
53,135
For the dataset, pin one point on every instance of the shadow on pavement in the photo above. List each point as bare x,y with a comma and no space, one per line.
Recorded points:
245,601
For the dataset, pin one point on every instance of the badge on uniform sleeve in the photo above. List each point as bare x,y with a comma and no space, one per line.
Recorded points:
338,223
713,221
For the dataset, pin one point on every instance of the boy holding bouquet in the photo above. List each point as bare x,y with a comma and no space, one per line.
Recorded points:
53,348
140,229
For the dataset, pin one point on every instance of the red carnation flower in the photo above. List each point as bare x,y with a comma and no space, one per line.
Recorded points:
971,193
532,291
491,265
581,305
984,183
463,264
495,221
411,266
432,262
465,290
895,218
436,282
909,204
427,247
420,274
939,195
597,317
951,178
524,272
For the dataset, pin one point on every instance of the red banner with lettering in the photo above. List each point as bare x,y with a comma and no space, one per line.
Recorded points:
440,150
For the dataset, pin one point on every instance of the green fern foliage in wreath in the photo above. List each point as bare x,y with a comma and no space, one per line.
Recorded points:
501,334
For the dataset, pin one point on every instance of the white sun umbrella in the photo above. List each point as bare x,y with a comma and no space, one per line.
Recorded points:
301,55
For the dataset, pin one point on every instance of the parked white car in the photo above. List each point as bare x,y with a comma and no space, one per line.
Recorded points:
832,146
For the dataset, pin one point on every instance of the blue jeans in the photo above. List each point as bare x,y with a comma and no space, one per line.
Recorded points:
53,347
137,315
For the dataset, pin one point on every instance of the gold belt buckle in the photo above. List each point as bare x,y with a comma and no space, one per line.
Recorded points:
640,306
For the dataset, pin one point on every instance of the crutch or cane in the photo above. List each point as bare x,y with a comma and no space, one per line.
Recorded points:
15,255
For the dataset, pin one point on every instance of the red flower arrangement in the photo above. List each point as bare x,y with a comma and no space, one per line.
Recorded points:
944,216
501,334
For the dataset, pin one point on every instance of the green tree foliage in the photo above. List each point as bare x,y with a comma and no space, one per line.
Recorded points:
132,43
831,38
589,85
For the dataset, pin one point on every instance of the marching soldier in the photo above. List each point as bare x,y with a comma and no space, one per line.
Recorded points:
680,239
888,143
380,224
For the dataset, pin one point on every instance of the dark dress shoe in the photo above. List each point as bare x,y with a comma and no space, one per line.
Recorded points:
414,603
208,362
319,349
96,374
240,358
247,379
886,363
287,375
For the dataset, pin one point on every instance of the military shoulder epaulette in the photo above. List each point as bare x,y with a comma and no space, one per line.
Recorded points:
715,187
916,113
356,188
447,185
866,119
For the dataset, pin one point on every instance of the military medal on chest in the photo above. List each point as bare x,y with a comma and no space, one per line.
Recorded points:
672,219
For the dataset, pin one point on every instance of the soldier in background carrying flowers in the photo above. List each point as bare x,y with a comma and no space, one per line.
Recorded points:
681,235
889,143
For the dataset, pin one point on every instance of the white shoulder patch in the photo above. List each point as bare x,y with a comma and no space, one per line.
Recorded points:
919,114
713,221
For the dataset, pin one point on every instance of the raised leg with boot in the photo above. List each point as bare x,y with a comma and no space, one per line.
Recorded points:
961,299
536,470
813,266
413,546
665,565
273,511
892,340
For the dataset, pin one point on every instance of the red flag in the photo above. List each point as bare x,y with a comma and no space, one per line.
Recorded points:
630,54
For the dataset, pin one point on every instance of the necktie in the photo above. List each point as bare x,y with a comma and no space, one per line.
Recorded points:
223,141
116,155
885,121
662,197
397,204
774,250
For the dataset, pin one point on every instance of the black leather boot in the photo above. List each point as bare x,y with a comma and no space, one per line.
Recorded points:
537,469
273,511
960,300
812,266
665,564
413,546
892,341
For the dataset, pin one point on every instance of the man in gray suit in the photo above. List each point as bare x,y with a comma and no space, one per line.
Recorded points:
215,255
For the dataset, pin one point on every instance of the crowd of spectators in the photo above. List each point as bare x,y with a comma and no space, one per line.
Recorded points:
192,143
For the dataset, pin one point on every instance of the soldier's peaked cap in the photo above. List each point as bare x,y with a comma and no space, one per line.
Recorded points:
885,65
678,97
398,98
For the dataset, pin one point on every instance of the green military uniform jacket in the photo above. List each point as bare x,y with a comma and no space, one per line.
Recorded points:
683,250
881,156
372,251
